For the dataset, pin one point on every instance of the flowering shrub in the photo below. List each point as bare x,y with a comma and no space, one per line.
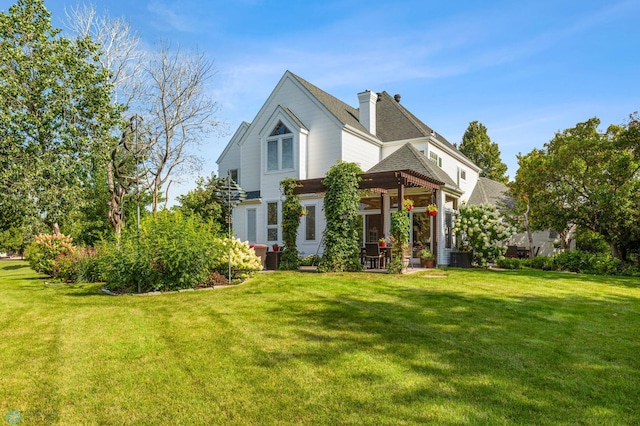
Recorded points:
237,254
480,229
42,252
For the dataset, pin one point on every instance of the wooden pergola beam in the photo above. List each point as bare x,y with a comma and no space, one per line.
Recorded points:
377,181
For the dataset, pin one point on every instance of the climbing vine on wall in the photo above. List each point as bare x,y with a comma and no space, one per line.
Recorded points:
291,213
400,227
341,206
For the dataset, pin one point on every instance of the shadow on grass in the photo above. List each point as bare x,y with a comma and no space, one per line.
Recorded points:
526,359
14,267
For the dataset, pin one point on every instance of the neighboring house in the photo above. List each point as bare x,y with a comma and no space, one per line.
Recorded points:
496,193
302,131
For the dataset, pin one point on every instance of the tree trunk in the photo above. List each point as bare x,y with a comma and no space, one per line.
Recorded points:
615,251
527,227
55,228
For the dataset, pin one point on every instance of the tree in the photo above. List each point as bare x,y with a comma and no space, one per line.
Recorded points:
587,178
207,201
477,146
178,114
122,58
55,113
165,89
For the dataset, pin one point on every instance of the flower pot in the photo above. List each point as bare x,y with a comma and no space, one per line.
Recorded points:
428,263
432,212
383,244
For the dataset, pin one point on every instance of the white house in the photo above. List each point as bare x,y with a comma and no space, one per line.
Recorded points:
302,131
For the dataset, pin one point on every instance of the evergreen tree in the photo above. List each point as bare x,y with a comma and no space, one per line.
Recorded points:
477,146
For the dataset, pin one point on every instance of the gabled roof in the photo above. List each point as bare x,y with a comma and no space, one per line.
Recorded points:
492,192
344,113
393,121
408,157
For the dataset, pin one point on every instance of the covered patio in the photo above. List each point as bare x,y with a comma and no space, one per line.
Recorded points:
385,191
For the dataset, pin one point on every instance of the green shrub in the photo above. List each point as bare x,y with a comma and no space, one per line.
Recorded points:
172,252
539,262
42,252
590,263
591,242
573,261
87,266
508,263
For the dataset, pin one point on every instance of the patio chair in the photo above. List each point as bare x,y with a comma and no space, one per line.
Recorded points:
512,251
373,254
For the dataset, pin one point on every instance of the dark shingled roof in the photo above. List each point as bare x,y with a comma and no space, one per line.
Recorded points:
393,121
343,112
492,192
409,158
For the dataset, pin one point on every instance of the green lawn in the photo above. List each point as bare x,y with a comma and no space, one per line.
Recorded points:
474,347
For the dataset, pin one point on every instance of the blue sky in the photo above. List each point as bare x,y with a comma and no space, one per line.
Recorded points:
524,69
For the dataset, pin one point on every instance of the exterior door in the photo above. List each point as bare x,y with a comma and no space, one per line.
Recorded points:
420,232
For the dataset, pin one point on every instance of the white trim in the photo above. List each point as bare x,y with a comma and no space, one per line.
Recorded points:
236,138
304,226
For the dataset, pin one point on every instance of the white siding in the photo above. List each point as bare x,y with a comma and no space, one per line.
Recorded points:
357,150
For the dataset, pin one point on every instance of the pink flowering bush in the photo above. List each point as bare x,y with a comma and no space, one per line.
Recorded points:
44,250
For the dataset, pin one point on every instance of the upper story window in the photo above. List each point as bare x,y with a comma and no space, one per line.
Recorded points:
435,158
233,173
280,148
462,175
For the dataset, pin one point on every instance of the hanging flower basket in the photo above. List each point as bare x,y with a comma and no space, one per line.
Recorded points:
432,209
408,204
302,213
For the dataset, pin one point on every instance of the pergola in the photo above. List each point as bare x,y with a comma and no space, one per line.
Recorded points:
382,183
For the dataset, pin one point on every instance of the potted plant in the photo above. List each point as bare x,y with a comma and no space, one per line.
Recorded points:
383,242
432,209
427,259
275,247
303,212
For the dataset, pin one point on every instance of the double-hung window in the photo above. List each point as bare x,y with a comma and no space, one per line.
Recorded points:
435,158
280,149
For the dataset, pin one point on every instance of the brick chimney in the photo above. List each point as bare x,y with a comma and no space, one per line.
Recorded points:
368,101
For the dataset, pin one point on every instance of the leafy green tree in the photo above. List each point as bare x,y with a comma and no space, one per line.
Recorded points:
341,206
206,200
587,178
55,113
477,146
